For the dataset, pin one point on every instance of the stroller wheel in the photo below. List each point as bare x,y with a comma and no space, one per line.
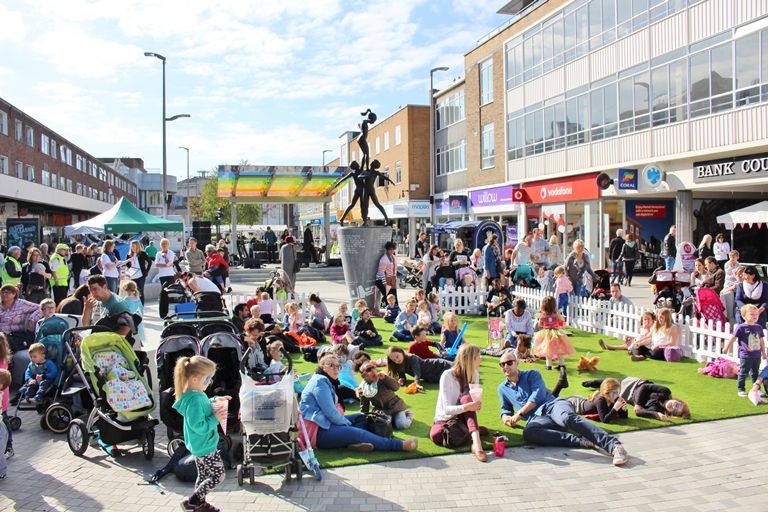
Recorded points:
148,444
173,445
57,418
15,423
240,475
43,423
77,437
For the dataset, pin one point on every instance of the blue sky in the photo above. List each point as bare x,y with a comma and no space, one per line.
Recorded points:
273,82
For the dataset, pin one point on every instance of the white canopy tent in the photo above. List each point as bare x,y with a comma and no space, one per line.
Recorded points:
749,216
94,225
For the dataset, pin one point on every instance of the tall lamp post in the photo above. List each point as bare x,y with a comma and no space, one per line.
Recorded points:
189,214
324,152
165,120
432,140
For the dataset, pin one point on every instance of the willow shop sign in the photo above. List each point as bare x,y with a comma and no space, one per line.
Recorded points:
727,169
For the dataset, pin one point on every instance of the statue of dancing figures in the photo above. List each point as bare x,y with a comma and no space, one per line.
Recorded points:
370,177
362,141
359,188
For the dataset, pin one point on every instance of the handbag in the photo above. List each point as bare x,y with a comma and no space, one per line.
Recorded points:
392,281
456,433
379,423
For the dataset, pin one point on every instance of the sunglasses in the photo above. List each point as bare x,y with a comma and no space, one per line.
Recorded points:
507,363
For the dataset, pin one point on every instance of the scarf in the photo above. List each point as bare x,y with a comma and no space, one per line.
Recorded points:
334,382
369,389
753,291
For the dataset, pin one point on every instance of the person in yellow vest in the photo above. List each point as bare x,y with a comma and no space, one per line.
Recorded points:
60,270
11,272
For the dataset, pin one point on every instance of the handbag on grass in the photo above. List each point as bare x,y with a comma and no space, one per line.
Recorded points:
380,423
456,433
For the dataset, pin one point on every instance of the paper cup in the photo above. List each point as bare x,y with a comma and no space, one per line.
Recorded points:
475,392
221,405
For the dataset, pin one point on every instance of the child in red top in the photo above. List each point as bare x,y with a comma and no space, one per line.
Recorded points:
421,346
552,341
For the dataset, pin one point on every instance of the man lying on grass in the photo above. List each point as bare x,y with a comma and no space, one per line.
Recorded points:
549,421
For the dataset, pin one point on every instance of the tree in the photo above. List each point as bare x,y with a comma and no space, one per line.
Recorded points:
205,206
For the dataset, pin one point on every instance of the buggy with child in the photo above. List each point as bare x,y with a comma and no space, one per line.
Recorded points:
118,386
271,423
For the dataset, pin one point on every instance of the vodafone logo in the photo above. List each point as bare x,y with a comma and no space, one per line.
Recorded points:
557,191
543,192
518,196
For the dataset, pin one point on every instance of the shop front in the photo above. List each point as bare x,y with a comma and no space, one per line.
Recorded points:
406,217
499,205
570,208
451,207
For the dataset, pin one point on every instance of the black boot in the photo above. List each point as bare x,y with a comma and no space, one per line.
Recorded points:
592,383
563,381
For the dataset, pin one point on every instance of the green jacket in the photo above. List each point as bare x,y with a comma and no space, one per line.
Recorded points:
201,435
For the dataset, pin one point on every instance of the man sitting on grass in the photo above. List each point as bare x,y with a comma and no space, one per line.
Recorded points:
549,421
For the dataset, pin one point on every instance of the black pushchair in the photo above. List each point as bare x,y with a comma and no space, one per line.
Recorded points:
601,288
168,352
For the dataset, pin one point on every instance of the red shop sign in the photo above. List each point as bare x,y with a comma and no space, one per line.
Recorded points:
561,190
650,210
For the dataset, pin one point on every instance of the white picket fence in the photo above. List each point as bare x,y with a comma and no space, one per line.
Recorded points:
700,340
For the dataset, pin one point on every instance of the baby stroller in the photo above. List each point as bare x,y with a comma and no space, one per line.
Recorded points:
277,275
50,334
269,419
708,306
118,386
669,289
409,274
169,351
602,286
174,293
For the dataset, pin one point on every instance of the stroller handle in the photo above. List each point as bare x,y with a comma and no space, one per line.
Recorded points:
196,314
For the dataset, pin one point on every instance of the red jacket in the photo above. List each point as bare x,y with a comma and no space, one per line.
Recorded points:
217,260
422,349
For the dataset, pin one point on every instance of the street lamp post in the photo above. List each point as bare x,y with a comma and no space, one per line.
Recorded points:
189,214
432,141
165,120
324,152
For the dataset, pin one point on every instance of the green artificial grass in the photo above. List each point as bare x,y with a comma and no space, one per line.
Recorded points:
708,398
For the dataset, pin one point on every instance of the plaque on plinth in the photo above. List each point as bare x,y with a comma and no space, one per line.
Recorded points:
361,249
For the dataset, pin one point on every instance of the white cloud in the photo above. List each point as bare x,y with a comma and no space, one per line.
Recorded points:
13,28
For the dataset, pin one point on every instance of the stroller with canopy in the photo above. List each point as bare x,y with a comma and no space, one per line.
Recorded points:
601,289
708,306
120,391
168,352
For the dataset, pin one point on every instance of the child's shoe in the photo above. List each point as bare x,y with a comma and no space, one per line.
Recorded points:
9,453
206,506
187,505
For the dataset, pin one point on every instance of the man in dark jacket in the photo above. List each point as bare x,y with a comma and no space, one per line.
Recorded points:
669,248
309,244
271,240
614,253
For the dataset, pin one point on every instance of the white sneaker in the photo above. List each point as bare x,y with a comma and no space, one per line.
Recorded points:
742,393
620,456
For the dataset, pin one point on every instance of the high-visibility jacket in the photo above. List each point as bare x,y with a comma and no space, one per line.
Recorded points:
7,279
61,274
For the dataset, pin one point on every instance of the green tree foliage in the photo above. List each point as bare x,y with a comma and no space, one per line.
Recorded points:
205,206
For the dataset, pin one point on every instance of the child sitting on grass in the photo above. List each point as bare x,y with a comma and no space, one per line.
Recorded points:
378,391
751,346
405,322
519,326
422,347
450,330
391,310
40,375
425,318
366,334
340,333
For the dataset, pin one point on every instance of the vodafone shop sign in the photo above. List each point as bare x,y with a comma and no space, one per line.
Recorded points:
560,190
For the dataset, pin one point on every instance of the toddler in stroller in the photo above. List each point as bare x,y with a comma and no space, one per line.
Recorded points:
40,376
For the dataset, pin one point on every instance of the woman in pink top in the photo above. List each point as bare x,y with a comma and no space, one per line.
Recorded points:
386,273
5,359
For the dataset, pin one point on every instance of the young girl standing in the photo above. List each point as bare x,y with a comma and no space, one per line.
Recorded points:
551,340
129,291
191,377
563,287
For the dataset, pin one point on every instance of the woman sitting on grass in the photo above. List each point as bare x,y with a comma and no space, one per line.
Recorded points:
665,334
400,364
605,404
378,391
456,422
649,400
328,427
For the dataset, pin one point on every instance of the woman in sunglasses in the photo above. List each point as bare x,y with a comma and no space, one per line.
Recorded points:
328,427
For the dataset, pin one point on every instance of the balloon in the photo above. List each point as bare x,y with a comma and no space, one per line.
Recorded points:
541,226
561,228
569,228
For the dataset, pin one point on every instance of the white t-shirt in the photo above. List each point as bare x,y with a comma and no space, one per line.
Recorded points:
169,258
205,285
267,307
135,271
106,271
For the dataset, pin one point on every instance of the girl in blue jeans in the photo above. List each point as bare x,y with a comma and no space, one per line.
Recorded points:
334,430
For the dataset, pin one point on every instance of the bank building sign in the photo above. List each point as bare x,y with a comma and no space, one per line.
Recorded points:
727,169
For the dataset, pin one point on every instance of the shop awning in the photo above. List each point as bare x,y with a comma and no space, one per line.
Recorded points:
279,183
749,216
123,217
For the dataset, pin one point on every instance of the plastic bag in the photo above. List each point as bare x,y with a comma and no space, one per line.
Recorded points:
267,409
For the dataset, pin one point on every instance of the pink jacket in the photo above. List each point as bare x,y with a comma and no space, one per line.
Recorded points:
563,285
338,332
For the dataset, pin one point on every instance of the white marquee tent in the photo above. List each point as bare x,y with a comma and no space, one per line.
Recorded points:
757,214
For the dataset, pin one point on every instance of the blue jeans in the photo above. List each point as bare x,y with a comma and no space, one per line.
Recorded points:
579,290
340,436
557,418
113,283
669,262
562,303
402,335
3,440
140,285
617,269
747,365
